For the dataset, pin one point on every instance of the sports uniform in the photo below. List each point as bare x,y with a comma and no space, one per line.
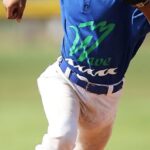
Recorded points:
81,90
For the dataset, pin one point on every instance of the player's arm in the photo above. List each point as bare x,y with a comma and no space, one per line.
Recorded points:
146,11
143,5
14,8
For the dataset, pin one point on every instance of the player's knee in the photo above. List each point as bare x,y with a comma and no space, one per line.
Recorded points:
66,143
56,143
66,140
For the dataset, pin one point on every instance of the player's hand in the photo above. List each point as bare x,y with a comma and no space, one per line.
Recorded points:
14,8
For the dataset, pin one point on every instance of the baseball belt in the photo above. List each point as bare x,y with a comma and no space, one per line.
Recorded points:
88,86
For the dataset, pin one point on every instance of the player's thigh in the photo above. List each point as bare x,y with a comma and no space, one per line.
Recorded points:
60,102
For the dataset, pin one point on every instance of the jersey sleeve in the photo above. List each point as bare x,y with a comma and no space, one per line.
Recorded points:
147,26
140,22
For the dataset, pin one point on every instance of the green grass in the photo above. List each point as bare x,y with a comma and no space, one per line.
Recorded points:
22,59
22,119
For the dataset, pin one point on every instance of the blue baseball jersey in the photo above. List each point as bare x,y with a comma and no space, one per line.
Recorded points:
101,37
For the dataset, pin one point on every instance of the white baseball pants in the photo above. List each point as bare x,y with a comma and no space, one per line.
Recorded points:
78,119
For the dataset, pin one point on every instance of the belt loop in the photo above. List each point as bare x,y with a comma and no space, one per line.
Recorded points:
67,72
110,89
59,59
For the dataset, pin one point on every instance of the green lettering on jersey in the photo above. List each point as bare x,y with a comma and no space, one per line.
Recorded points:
85,46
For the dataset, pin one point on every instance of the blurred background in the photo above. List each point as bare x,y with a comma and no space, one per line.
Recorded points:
26,49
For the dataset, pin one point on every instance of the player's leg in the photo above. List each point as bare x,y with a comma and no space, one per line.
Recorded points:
96,119
95,139
61,106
